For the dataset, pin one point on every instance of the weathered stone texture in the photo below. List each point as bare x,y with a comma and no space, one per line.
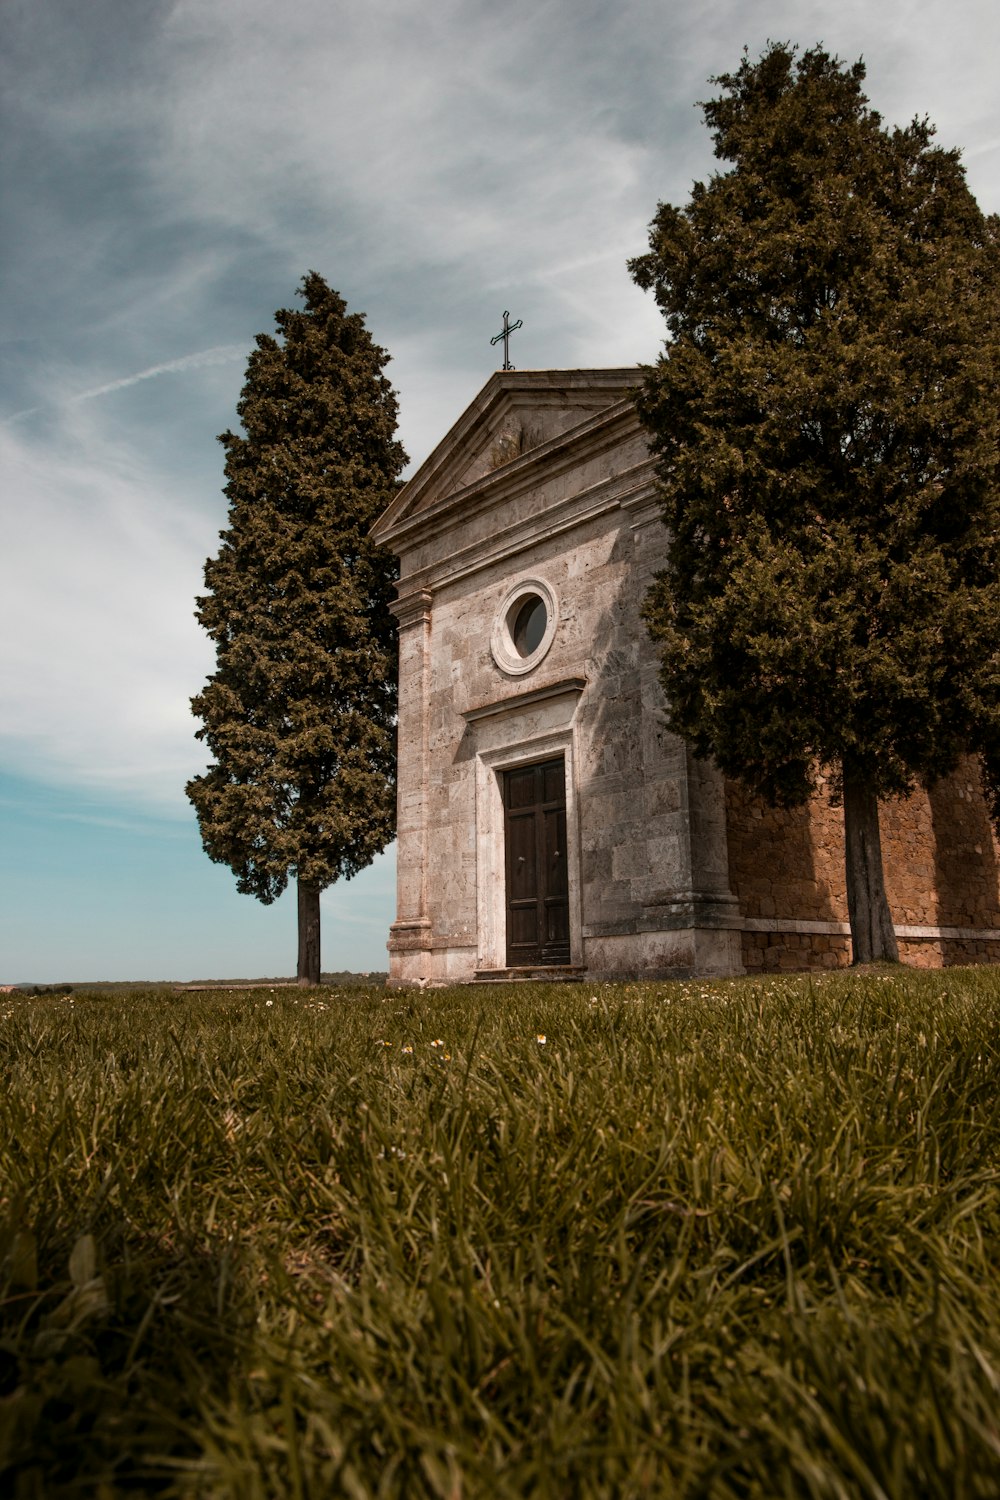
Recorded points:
769,848
546,477
546,482
941,870
788,952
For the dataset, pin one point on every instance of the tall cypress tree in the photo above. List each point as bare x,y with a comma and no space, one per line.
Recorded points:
299,714
825,415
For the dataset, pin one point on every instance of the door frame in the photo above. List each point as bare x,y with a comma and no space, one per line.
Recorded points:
491,870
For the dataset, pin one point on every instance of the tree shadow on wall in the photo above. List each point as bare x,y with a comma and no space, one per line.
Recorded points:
789,863
629,798
966,873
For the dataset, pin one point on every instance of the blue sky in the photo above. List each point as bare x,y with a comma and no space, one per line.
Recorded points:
170,169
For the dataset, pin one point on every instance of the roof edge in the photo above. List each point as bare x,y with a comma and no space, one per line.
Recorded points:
501,385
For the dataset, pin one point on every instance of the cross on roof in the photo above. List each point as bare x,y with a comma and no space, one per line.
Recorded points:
505,333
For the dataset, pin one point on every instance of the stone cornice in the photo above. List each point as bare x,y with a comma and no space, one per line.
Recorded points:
630,486
412,608
515,701
607,429
505,390
644,506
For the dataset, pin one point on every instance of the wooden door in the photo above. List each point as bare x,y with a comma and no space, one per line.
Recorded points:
537,885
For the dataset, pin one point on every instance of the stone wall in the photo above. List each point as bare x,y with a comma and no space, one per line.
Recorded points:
941,867
546,484
627,779
588,710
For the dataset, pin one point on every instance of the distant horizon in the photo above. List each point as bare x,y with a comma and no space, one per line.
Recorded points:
328,976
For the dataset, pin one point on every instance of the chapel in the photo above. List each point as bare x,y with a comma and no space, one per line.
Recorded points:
548,822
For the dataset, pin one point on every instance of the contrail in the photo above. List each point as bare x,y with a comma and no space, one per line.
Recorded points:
220,354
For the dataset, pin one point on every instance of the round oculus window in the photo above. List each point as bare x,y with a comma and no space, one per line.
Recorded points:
525,626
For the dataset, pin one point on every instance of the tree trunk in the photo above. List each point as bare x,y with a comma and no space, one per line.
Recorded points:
308,971
872,935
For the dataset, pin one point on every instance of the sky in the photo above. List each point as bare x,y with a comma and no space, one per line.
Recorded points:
169,170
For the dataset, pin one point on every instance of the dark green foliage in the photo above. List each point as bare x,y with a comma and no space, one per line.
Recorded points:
828,430
723,1240
300,712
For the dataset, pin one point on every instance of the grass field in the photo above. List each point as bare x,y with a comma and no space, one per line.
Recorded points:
716,1240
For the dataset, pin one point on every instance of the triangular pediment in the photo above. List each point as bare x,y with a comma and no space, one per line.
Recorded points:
517,414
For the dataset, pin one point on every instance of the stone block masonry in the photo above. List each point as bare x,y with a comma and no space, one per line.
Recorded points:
543,496
942,870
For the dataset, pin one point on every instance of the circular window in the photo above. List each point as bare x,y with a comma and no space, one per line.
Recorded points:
528,628
525,626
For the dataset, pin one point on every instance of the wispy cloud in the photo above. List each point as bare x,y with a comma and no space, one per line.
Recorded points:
220,354
100,565
474,158
163,828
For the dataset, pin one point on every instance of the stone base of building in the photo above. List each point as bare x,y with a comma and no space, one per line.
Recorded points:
675,954
949,952
431,966
678,953
710,953
783,951
791,952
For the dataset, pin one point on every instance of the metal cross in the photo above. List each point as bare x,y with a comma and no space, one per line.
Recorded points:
505,333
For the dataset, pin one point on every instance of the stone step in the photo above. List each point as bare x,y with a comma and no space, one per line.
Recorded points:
537,973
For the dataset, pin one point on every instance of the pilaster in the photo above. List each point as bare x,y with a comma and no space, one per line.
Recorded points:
411,931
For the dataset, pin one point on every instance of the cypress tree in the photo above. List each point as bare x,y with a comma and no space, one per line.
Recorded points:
299,714
825,418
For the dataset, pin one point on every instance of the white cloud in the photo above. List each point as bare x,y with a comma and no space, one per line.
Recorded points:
98,574
360,903
436,164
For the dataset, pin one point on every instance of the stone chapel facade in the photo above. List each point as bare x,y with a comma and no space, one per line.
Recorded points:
547,820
